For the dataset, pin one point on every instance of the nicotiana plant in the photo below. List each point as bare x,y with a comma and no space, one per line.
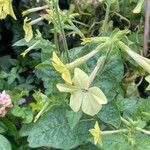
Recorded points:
75,89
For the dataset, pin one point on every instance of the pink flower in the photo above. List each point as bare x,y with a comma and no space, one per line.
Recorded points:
5,102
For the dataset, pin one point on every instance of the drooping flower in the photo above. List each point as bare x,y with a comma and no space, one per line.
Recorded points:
89,99
61,68
96,133
28,29
142,61
5,102
6,9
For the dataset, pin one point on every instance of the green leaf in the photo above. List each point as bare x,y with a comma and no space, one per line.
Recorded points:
25,129
115,142
4,143
88,146
110,114
142,142
53,130
73,118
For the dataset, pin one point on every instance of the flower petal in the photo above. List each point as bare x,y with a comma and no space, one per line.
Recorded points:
80,78
66,76
76,100
56,60
65,88
28,30
147,78
98,95
89,105
59,68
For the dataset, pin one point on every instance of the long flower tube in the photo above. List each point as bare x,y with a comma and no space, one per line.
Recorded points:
142,61
64,69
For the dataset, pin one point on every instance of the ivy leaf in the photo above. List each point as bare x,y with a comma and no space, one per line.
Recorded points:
110,114
53,130
4,143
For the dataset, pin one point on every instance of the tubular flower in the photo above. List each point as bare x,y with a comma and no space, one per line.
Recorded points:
5,102
142,61
90,99
96,133
6,9
61,68
28,29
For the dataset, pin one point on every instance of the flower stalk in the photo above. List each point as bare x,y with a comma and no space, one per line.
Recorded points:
32,10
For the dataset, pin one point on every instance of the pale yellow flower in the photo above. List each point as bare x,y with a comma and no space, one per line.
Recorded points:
89,99
6,9
96,132
61,68
28,29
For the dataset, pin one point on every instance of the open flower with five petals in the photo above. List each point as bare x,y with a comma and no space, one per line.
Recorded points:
89,99
96,132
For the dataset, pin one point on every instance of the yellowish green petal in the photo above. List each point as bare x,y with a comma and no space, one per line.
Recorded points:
76,100
66,76
80,78
28,30
98,95
56,59
6,9
138,7
61,68
147,78
65,88
89,105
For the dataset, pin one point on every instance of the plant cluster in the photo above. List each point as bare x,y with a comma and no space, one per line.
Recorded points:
75,76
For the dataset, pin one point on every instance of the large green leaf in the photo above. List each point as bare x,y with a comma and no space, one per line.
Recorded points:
110,114
4,143
142,142
53,130
115,142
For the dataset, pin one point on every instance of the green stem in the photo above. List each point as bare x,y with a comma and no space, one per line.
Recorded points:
142,130
56,41
113,131
105,23
61,29
100,65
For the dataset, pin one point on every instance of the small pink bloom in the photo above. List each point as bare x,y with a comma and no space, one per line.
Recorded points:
2,111
5,102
